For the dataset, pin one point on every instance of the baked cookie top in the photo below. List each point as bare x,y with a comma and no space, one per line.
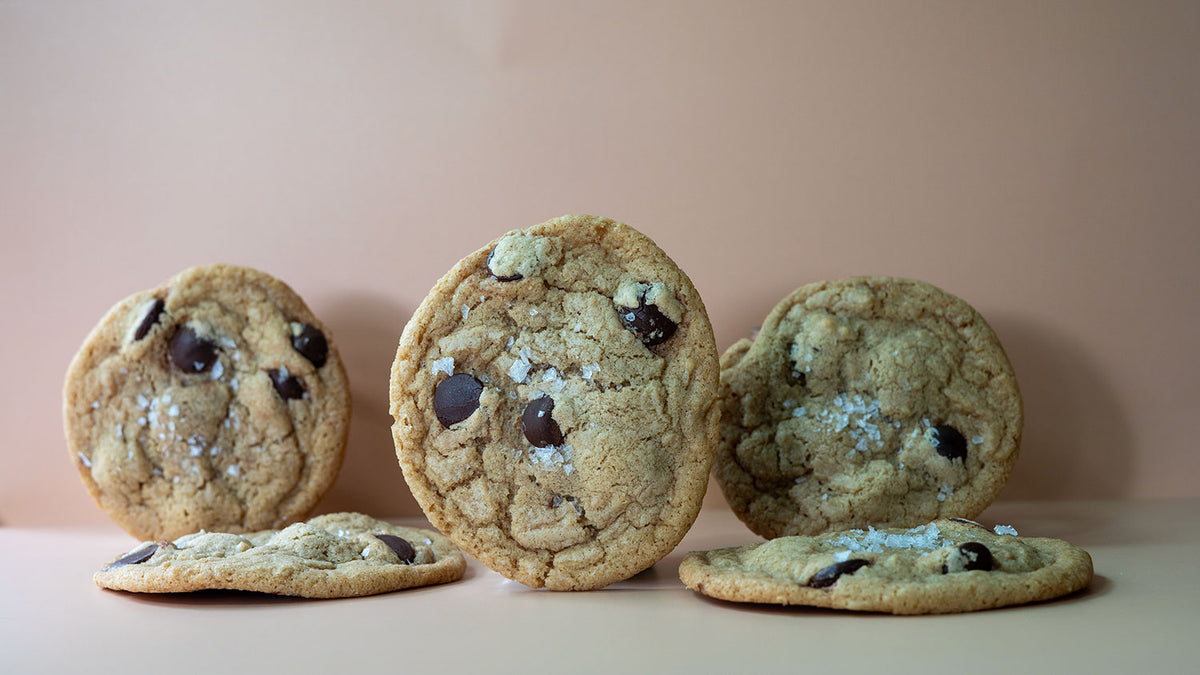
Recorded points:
866,401
214,401
554,399
949,565
332,556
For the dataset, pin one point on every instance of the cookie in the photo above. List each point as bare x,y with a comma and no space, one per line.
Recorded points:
554,403
867,401
949,565
215,401
338,555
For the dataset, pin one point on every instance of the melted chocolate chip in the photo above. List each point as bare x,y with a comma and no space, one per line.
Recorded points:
511,277
190,352
151,318
286,385
829,576
975,556
540,428
455,398
949,443
647,322
134,557
311,344
403,549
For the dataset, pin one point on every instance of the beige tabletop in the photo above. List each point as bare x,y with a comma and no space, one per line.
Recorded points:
1138,615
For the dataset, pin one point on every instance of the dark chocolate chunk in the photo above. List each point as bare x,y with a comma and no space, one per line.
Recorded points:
511,277
539,427
455,398
949,443
647,322
311,344
829,576
151,318
286,385
139,555
975,556
403,549
190,352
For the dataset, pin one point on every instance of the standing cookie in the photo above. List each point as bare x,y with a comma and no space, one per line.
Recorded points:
866,401
554,398
216,401
946,566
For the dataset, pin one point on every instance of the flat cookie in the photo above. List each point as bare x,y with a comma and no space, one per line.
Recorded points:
338,555
554,398
943,567
216,401
866,401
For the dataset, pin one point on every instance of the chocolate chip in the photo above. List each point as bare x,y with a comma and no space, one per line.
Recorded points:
647,322
511,277
190,352
139,555
949,443
829,576
311,344
455,398
403,549
151,318
539,427
975,556
286,385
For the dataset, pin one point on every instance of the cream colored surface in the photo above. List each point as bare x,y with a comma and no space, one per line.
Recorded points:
1137,616
1037,159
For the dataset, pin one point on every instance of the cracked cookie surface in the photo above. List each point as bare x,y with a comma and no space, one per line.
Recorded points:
949,565
866,401
336,555
554,403
214,401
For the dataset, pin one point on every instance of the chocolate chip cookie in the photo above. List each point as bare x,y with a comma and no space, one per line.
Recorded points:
949,565
554,403
866,401
332,556
215,401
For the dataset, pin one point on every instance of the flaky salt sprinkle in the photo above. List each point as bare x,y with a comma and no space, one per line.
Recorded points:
233,470
83,458
466,309
1005,529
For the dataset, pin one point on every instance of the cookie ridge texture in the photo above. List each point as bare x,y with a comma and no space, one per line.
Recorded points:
213,401
947,566
875,401
336,555
554,403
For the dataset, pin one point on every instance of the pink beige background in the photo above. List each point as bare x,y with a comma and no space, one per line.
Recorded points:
1041,160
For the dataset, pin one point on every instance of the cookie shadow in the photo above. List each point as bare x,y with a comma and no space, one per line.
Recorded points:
1077,440
367,329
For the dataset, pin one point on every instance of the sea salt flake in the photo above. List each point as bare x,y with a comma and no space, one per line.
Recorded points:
233,470
443,365
1005,529
589,371
173,411
83,458
217,370
977,440
466,309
